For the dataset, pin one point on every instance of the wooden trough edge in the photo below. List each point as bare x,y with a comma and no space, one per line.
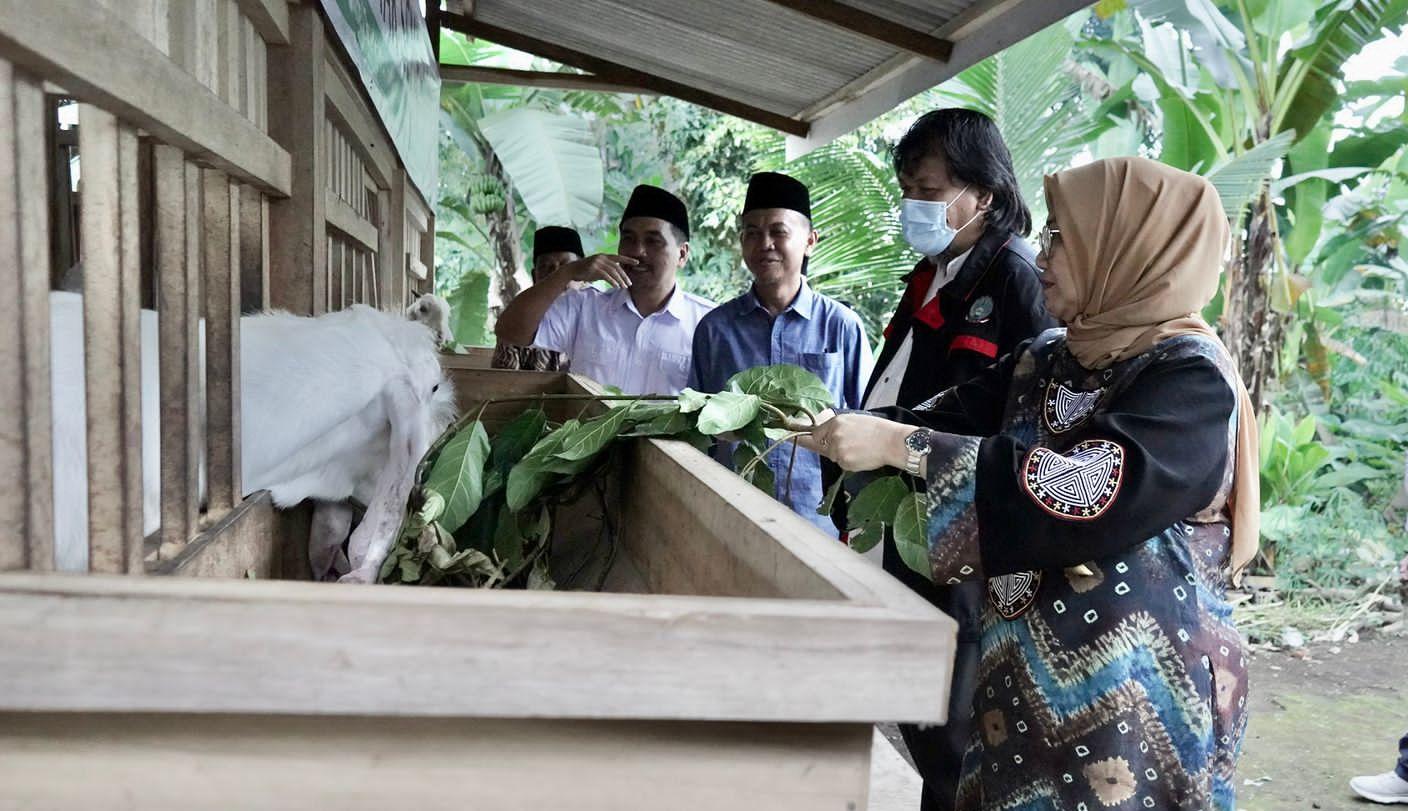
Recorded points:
122,644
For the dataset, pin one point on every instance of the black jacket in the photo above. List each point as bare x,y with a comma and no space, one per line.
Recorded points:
993,305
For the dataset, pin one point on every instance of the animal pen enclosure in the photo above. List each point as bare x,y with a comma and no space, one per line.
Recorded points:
232,158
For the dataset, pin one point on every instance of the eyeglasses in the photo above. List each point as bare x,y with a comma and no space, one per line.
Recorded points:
1049,235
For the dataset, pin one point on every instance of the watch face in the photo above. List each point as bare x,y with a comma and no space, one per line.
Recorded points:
917,441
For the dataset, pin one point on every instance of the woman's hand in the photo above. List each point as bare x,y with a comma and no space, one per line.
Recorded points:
860,441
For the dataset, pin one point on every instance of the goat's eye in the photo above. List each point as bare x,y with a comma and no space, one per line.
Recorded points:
434,388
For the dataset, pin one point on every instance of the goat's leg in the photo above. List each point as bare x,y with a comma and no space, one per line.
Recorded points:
331,522
372,540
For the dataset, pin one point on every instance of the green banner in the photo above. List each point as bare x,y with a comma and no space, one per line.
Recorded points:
390,47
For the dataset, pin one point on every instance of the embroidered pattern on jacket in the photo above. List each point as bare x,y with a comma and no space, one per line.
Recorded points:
1065,407
1079,484
1012,594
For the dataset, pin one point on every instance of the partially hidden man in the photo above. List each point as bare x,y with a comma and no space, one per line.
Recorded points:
780,319
637,336
972,299
553,247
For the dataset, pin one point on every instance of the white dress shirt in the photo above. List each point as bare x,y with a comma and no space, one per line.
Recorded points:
887,389
606,338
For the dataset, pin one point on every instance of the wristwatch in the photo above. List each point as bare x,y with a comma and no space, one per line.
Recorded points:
916,447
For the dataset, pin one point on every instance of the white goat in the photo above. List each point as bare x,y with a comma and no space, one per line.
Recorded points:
333,407
434,312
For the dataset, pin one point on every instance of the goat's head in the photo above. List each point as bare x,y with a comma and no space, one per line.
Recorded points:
433,312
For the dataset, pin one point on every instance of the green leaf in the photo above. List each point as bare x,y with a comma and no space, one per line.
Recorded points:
516,439
591,437
910,540
875,506
1304,430
458,474
863,538
538,577
469,310
828,502
1308,201
691,400
665,425
1240,179
728,411
553,160
785,386
532,473
508,540
1306,87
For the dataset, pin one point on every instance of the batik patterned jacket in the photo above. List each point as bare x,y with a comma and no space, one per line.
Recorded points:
1111,675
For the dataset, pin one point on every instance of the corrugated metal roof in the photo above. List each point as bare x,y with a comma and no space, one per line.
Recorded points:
776,58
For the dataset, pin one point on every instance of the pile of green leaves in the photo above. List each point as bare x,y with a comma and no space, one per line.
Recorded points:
482,509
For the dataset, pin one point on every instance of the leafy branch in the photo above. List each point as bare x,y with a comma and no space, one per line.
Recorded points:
481,513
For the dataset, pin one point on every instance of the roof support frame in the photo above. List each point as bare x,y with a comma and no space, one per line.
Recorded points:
863,23
621,74
556,80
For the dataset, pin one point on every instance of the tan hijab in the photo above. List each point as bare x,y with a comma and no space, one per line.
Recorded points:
1145,245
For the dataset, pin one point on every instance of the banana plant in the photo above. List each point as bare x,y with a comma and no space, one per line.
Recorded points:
1262,81
520,145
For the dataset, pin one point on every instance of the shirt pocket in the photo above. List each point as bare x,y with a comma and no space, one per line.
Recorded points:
674,365
829,366
597,360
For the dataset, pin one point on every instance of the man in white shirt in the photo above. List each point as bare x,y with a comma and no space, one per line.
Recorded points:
637,336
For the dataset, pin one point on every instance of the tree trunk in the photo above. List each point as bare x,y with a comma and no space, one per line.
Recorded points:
1252,330
505,235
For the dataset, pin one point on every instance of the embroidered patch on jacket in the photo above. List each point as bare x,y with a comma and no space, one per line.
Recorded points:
1012,594
1065,407
1079,484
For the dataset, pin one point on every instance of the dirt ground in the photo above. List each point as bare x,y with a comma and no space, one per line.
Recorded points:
1318,718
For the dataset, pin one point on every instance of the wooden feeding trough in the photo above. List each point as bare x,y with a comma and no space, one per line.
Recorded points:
234,156
741,665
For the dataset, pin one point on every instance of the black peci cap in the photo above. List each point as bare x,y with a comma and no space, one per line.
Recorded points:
776,190
653,201
555,238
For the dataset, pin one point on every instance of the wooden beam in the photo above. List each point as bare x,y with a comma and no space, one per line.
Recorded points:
615,72
298,244
220,223
856,21
212,763
432,26
26,469
178,299
86,644
111,341
241,543
555,80
92,53
270,19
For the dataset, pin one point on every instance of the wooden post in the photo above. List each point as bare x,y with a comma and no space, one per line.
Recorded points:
254,251
178,305
222,339
298,274
26,462
112,347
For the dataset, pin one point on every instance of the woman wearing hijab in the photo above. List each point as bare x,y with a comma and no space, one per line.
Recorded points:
1117,493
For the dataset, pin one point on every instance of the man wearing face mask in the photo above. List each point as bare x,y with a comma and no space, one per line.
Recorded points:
972,298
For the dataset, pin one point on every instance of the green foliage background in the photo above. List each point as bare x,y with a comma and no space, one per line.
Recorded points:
1250,93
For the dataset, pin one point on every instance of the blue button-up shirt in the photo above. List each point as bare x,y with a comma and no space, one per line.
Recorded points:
816,333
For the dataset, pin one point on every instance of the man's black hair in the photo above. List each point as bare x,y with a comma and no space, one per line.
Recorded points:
976,155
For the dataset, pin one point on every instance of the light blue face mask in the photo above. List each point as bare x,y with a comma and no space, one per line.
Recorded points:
926,227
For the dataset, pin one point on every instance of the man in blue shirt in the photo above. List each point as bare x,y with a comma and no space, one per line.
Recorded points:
782,320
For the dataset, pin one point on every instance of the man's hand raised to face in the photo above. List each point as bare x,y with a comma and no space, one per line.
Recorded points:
605,267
